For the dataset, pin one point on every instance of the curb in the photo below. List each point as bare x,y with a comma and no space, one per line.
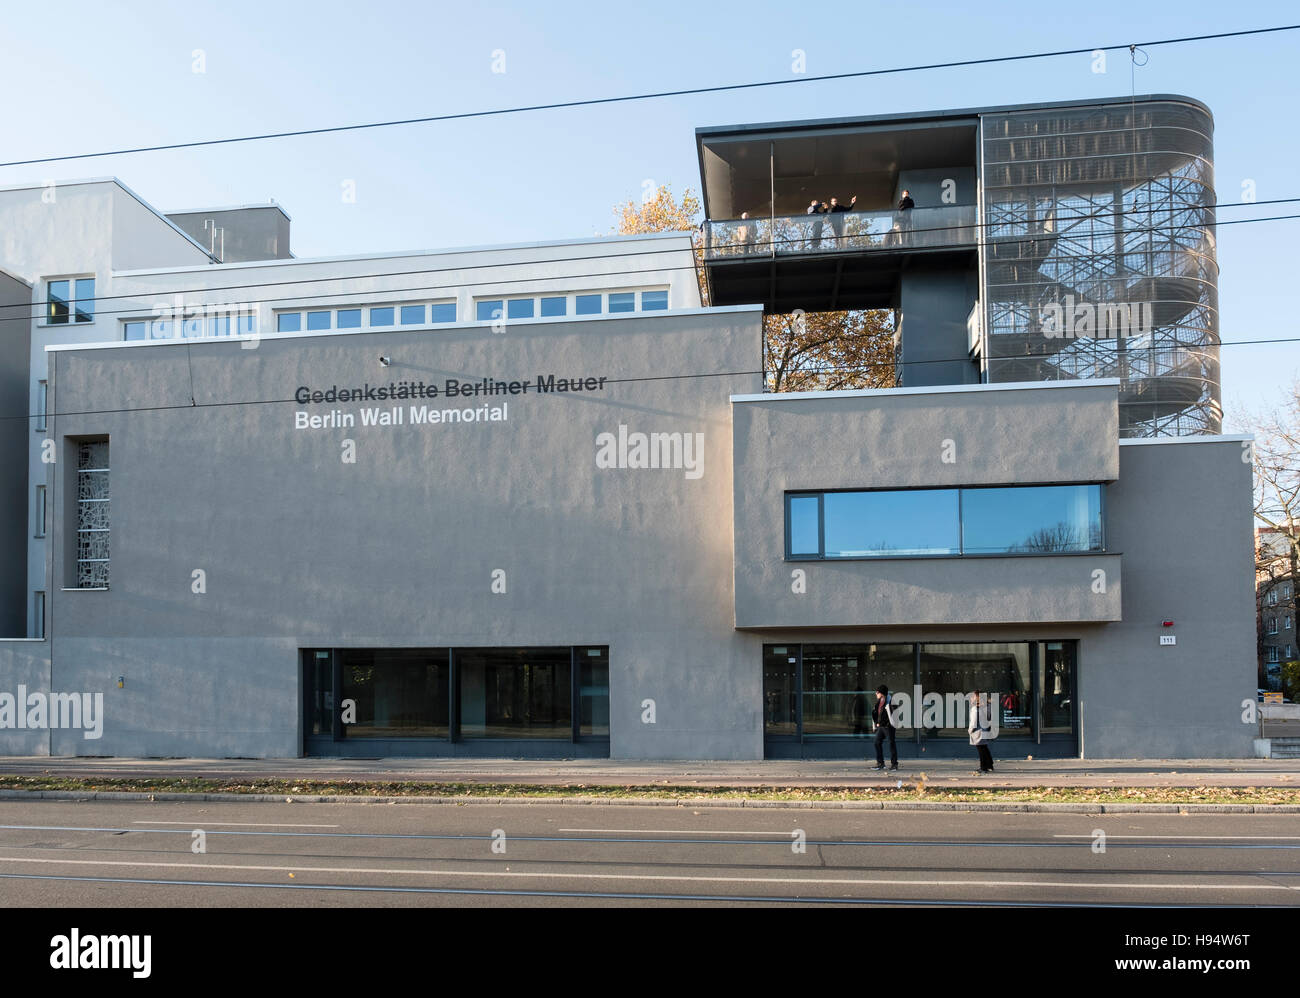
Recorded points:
1027,807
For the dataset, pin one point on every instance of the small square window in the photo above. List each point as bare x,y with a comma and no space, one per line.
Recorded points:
486,311
555,306
444,312
160,329
319,320
587,304
245,325
288,322
519,308
349,318
219,326
381,316
413,315
191,328
622,302
654,301
70,300
134,330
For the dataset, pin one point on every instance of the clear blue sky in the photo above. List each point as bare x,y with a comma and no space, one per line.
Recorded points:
89,76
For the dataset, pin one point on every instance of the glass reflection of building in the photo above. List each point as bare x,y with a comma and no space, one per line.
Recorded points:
824,692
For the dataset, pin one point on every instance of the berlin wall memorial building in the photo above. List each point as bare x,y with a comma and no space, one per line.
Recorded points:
534,501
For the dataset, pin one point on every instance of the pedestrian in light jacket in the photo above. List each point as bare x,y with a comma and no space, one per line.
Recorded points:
980,728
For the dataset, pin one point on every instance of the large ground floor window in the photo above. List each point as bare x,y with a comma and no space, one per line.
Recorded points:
822,694
456,694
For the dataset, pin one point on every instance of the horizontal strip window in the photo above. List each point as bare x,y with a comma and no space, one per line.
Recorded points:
197,327
376,317
551,306
914,523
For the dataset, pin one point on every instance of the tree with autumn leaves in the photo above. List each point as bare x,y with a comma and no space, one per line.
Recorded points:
802,351
1276,452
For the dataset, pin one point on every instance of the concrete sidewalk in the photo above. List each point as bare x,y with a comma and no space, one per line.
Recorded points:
1017,772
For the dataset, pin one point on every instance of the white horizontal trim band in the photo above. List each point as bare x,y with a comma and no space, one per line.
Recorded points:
929,390
441,327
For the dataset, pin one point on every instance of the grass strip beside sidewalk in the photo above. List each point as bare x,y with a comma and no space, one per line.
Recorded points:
911,790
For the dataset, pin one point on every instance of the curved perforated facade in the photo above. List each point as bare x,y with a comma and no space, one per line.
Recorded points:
1099,260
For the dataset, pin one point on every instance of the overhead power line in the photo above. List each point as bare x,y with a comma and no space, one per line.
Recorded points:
137,296
654,95
834,369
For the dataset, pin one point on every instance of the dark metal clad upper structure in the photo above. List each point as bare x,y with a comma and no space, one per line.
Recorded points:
1048,241
919,120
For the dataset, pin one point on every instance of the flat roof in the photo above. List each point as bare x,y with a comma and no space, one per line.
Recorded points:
1207,438
272,203
736,168
713,131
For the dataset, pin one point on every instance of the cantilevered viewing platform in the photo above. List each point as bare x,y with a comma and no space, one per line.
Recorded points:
787,257
995,235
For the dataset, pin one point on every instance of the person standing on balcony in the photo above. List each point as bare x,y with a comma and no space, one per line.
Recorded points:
747,233
817,208
836,211
903,221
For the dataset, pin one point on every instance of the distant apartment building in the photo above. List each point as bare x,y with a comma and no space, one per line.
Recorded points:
1275,603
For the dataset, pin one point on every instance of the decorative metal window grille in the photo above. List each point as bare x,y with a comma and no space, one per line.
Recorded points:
92,514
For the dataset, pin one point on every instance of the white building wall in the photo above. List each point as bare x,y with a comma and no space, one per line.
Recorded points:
78,229
610,265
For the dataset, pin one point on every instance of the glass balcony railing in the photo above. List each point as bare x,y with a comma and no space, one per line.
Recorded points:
841,232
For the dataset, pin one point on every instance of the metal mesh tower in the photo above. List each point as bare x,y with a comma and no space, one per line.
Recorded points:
1099,256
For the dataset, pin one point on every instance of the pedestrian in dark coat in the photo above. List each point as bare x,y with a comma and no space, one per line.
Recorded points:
884,729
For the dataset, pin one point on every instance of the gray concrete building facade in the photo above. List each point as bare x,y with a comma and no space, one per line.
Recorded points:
532,500
593,539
